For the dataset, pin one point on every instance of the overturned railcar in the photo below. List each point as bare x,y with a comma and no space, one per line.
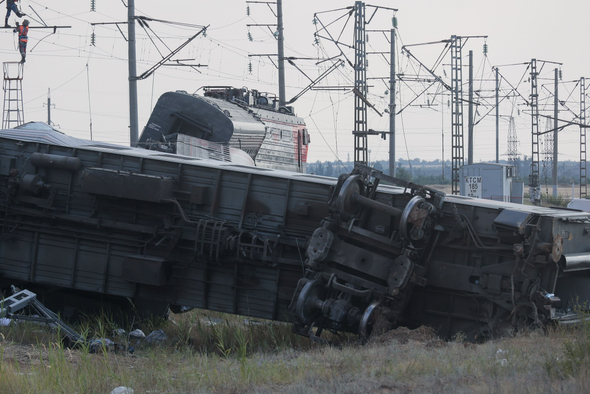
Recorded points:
91,220
158,229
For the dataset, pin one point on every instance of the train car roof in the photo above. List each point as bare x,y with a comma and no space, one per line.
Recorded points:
39,132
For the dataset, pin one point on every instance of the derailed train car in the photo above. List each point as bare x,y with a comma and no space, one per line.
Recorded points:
97,221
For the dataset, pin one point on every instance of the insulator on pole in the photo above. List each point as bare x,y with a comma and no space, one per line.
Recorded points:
394,22
250,67
560,75
93,5
485,49
248,10
250,37
93,39
314,21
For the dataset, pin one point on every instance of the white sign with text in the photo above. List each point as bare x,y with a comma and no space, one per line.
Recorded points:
473,186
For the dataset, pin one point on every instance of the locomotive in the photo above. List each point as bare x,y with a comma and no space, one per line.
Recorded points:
228,124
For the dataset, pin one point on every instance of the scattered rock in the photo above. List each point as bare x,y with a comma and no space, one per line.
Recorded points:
122,390
137,334
396,388
156,336
213,321
119,332
98,344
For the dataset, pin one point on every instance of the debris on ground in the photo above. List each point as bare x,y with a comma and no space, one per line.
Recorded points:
501,357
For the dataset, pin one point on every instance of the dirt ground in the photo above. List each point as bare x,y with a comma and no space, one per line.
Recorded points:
403,335
30,355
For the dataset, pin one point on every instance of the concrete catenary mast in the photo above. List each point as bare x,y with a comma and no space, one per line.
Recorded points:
133,114
392,108
555,132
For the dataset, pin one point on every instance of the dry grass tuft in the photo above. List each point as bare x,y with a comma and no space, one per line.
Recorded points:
214,353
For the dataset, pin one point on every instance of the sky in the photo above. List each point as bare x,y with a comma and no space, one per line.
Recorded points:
88,83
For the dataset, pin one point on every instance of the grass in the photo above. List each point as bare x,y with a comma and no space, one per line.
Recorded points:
214,353
559,201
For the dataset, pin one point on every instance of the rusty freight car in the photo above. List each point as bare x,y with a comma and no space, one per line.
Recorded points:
100,221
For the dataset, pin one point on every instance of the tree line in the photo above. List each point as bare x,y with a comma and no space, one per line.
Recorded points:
437,172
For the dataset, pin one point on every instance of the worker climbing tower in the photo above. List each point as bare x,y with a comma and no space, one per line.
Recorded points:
14,112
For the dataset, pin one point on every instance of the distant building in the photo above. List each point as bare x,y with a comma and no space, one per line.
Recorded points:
491,181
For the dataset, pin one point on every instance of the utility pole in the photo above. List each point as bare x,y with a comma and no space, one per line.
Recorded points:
49,106
279,35
470,110
555,133
457,141
583,180
456,90
392,108
497,116
133,115
534,188
442,130
360,129
281,51
360,84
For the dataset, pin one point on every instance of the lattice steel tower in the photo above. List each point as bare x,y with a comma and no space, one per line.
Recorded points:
14,110
534,189
457,151
513,146
547,151
583,183
360,85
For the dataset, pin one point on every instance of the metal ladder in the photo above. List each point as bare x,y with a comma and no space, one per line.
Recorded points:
14,112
